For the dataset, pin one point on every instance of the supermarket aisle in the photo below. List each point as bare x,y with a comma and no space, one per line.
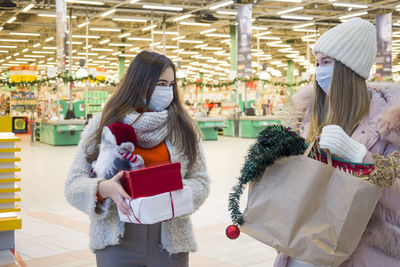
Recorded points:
56,234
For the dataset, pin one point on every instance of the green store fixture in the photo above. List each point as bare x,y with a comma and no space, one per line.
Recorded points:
209,126
96,101
63,108
79,109
251,126
229,129
61,132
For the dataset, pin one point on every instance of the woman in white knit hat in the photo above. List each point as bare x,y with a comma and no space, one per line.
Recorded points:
354,119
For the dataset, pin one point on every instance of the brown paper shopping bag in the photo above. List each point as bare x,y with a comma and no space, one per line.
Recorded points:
309,210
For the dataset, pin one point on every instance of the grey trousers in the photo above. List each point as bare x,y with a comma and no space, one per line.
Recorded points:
140,246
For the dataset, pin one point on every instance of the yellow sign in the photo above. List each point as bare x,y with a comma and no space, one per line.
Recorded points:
23,73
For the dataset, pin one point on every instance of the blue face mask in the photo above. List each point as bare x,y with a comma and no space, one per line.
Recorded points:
161,98
324,77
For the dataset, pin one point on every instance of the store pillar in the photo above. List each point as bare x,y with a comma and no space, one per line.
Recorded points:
121,67
290,75
233,48
233,62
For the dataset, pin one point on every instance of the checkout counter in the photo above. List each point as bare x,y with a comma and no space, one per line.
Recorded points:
59,132
251,126
209,126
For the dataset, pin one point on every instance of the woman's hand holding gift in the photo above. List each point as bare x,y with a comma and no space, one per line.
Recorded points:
113,189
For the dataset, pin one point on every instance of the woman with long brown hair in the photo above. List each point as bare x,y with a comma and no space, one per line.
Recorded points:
353,120
147,99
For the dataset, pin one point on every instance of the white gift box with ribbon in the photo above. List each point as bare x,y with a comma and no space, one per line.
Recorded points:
159,208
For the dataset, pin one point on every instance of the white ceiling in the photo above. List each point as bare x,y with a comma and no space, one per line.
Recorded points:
209,54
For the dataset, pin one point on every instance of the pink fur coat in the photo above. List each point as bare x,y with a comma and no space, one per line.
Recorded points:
380,133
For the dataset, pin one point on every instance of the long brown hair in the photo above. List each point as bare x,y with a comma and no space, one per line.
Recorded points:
346,104
137,85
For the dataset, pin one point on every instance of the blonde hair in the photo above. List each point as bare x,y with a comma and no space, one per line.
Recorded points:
346,104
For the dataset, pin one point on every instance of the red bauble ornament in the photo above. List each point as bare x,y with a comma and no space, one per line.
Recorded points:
232,231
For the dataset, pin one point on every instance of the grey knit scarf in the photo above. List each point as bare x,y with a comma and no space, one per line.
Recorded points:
151,128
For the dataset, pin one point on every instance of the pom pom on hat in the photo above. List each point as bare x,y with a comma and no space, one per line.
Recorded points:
353,43
122,133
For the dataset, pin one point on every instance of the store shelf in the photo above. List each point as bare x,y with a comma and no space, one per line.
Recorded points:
10,160
11,170
7,224
10,190
10,180
10,200
8,140
16,209
10,150
9,220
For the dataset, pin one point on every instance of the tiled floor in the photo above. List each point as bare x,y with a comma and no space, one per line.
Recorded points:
56,234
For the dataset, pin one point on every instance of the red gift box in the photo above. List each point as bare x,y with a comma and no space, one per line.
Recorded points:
153,180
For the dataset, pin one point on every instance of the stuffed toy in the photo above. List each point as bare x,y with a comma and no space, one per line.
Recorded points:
118,141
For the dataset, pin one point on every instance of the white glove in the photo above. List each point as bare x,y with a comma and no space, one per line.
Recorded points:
334,138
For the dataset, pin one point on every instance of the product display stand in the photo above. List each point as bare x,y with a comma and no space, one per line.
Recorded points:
9,221
251,126
209,126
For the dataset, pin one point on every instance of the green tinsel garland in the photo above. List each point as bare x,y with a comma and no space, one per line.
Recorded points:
186,82
273,143
64,76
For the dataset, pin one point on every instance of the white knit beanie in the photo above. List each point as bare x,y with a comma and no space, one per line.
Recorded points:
353,43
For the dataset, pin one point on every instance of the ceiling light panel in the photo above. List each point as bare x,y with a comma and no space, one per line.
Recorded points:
349,5
221,4
97,3
102,49
290,10
42,52
220,35
28,7
124,35
129,19
104,29
108,12
354,15
296,17
166,32
24,34
188,23
191,41
84,36
119,44
182,17
140,39
149,27
224,12
12,19
83,24
163,7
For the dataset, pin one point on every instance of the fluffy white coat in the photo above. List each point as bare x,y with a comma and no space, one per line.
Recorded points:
105,226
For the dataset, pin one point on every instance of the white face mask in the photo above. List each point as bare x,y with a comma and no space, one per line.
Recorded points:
323,74
161,98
